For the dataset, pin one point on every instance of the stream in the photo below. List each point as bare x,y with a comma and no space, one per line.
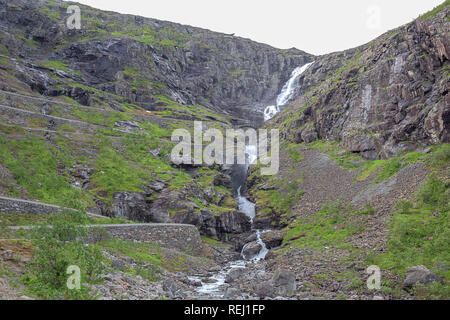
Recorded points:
214,286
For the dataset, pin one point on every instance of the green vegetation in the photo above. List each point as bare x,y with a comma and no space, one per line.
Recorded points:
146,255
113,173
341,156
439,157
140,82
51,13
435,11
53,64
165,38
99,118
36,167
294,153
281,199
385,169
57,248
330,227
420,234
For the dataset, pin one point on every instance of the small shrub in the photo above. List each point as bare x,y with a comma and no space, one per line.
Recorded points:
403,207
57,248
441,156
434,193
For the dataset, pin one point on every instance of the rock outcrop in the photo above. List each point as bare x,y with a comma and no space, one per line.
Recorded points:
111,51
389,95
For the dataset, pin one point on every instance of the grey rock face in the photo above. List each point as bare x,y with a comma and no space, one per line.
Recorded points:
215,225
230,74
378,99
132,206
223,180
419,274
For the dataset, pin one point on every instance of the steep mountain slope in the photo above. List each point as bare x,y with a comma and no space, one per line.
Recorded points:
153,64
387,96
364,167
86,118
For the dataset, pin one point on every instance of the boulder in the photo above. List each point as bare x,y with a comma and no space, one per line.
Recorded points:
273,238
128,126
309,135
251,250
265,290
419,274
232,293
284,282
223,180
234,274
129,205
157,186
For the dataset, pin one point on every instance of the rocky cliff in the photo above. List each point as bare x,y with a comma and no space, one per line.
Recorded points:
153,64
86,118
389,95
119,76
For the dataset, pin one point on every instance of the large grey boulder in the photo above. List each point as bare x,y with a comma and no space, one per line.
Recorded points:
232,293
265,289
419,274
284,282
234,274
251,250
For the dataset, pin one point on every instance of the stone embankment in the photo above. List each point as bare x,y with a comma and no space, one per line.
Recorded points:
183,237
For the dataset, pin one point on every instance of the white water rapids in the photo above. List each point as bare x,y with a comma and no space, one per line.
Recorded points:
286,93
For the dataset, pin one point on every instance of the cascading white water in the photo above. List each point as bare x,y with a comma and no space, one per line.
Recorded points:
214,287
248,207
263,252
286,93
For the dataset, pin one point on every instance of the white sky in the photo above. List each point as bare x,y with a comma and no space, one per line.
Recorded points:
315,26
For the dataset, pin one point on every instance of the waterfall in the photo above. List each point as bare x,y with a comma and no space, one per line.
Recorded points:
286,93
248,207
214,287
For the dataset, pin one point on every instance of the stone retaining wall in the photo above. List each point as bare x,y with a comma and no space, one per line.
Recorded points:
183,237
18,206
